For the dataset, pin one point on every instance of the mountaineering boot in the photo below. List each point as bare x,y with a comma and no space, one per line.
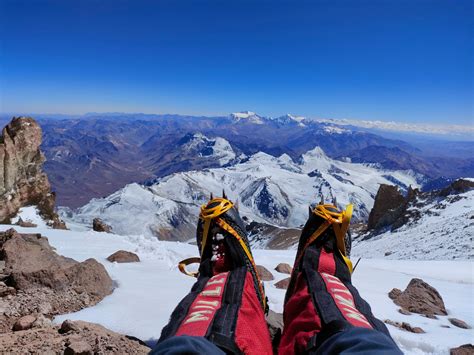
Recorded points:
323,312
227,304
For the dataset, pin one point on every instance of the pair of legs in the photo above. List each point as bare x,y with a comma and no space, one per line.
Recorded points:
225,310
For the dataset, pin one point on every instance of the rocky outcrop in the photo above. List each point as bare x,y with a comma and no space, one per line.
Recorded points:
393,210
39,281
264,273
386,205
22,181
123,256
72,338
99,226
419,297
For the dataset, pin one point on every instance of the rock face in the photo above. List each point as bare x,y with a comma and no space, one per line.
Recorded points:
419,297
99,226
80,338
123,256
388,199
22,181
264,273
45,282
393,210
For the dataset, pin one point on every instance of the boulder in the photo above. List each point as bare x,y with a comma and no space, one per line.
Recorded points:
87,338
264,273
459,323
25,322
419,297
99,226
284,268
22,180
45,282
33,263
283,284
123,256
466,349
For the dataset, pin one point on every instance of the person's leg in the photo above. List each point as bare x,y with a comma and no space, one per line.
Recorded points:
323,311
226,304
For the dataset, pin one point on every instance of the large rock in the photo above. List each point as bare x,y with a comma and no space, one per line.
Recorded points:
99,226
123,256
284,268
22,181
264,273
45,282
81,338
419,297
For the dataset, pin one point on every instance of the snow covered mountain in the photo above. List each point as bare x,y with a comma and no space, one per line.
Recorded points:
271,190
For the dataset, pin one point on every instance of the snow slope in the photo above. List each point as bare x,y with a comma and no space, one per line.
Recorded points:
444,231
273,190
148,291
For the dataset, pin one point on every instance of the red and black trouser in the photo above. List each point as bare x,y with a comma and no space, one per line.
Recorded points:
323,313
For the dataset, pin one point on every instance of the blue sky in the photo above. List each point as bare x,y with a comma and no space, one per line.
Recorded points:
400,60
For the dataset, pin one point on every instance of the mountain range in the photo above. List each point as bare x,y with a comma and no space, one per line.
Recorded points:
274,191
94,155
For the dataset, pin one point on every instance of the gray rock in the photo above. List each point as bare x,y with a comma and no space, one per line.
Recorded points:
459,323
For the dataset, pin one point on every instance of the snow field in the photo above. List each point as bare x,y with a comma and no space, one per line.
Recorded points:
148,291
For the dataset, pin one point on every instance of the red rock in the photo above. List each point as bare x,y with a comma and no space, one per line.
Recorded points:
283,284
25,322
123,256
284,268
264,274
419,297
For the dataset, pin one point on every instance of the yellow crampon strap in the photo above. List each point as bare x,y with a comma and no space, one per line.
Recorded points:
225,226
183,263
218,207
208,213
340,224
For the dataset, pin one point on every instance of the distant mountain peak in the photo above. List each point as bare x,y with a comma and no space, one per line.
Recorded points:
247,116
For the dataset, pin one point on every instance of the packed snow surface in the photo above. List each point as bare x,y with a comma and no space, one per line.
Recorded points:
148,291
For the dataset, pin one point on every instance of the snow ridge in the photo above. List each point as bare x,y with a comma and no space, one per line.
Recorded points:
272,190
